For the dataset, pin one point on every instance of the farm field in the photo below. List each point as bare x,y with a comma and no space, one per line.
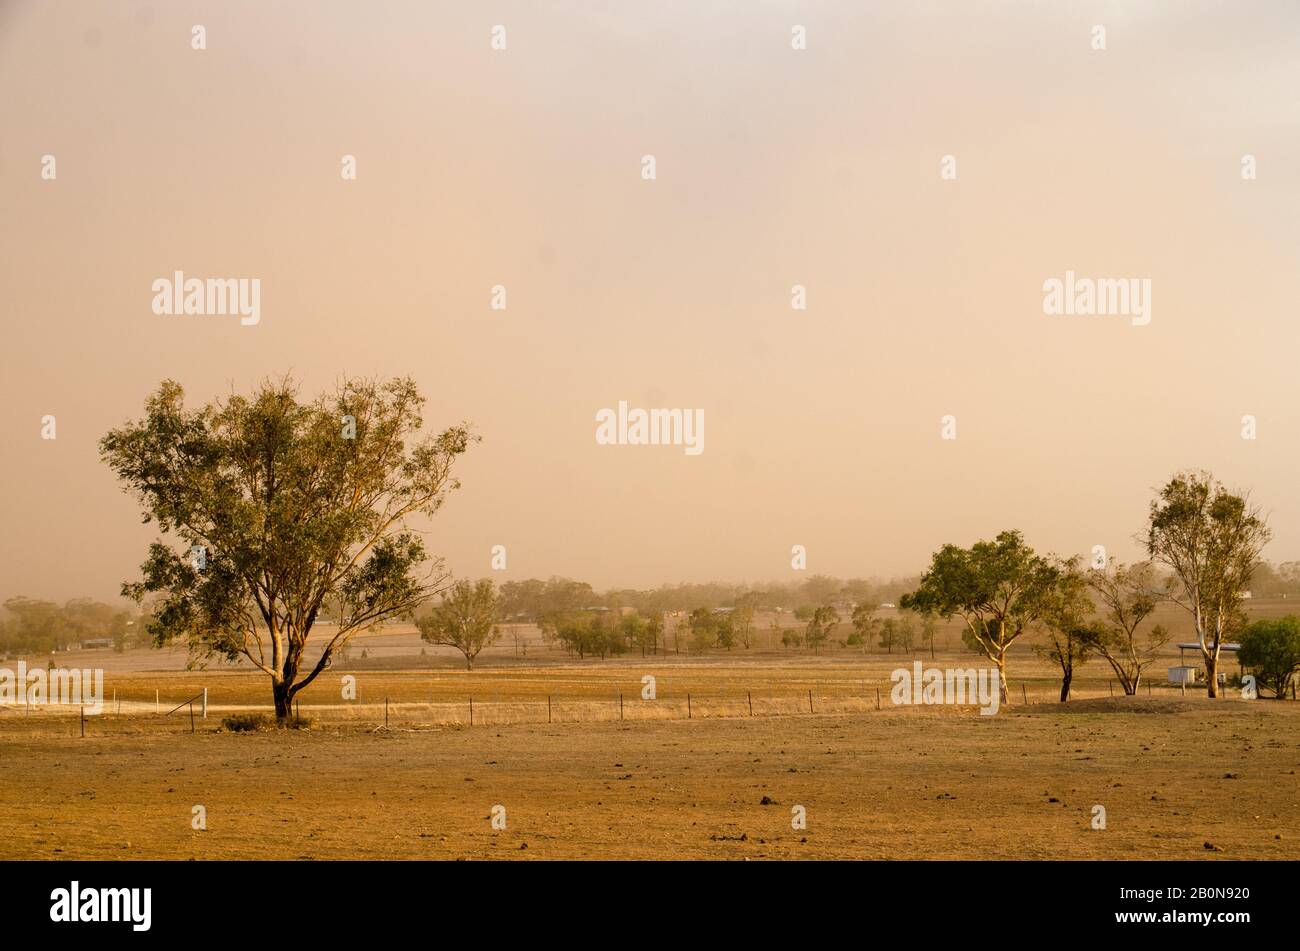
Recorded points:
1173,773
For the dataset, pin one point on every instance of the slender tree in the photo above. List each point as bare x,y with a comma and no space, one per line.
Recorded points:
743,620
929,628
864,622
888,634
1211,539
1126,596
1065,620
820,625
466,619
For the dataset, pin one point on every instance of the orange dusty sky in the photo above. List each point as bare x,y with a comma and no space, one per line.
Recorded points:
775,167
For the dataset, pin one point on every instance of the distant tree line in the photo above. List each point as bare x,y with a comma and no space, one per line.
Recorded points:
40,627
535,599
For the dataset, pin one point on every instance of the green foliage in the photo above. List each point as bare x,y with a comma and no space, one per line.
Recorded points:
1069,633
1271,650
589,632
465,618
864,622
296,515
724,627
703,624
1211,539
820,625
1126,596
888,634
640,633
998,588
743,620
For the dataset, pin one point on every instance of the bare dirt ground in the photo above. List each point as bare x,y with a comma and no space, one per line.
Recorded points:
1173,774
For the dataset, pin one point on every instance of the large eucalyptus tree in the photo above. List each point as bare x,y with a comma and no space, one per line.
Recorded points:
287,512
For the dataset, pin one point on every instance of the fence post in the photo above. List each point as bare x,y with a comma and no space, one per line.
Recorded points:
1024,694
385,713
810,709
191,716
688,706
83,723
548,708
471,711
205,703
751,703
1183,685
157,707
620,704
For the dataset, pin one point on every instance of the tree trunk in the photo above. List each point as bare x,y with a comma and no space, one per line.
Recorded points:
1002,677
1065,685
283,701
1212,675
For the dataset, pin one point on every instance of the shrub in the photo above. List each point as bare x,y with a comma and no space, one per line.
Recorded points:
1271,649
256,722
247,722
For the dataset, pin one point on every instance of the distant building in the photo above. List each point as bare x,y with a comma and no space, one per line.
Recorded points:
97,643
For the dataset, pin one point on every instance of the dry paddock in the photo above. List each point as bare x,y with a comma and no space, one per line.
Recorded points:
1177,777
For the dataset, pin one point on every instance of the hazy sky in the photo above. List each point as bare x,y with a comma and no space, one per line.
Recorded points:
774,167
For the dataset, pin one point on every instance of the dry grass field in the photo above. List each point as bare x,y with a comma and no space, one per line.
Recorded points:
1173,773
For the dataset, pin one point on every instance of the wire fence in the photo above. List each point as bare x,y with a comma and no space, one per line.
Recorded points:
127,710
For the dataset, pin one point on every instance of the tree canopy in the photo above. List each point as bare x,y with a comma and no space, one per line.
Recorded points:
284,510
999,588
